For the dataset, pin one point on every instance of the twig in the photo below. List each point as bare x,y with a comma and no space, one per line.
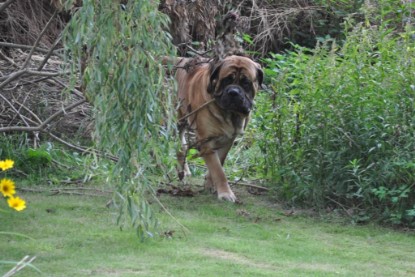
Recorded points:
49,74
340,205
14,109
45,60
187,66
20,265
66,190
184,229
202,54
88,189
35,81
195,111
82,149
17,74
39,38
77,148
74,90
249,185
28,47
4,5
11,77
41,126
10,61
194,50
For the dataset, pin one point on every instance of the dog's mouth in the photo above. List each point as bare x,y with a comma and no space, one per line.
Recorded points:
233,98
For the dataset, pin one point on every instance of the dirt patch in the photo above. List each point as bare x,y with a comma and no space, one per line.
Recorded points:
283,266
235,258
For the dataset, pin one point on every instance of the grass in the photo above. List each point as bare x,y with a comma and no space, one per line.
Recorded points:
77,236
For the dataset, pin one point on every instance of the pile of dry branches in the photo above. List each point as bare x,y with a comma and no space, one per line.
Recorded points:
272,25
34,95
22,21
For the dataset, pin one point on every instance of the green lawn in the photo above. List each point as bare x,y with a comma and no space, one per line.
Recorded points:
77,236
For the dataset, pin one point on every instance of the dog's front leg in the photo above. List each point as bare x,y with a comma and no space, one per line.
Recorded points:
218,178
181,155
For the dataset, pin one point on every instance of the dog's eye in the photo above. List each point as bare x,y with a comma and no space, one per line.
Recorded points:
245,81
229,80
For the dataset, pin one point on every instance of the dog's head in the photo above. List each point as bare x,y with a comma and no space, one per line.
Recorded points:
234,82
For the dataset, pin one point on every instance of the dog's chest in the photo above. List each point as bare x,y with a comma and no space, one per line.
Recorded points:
232,125
238,124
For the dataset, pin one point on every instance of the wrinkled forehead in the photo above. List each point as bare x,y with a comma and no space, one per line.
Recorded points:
238,67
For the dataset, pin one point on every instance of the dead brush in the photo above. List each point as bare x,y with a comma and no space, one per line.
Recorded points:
23,20
275,24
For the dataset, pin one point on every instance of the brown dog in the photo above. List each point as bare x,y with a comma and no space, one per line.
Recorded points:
216,99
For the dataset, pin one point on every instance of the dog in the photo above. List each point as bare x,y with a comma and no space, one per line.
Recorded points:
216,99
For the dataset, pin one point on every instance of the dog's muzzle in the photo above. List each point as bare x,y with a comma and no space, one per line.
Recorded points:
233,98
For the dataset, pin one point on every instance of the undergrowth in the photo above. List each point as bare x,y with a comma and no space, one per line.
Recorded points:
336,127
52,164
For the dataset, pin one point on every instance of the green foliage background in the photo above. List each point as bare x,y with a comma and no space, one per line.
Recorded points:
123,80
337,126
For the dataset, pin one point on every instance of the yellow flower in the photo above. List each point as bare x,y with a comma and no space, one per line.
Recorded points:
16,203
6,164
7,187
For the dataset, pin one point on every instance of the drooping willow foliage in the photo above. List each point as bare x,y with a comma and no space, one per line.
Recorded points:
119,47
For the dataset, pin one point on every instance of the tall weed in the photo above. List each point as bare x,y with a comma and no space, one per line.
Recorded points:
338,127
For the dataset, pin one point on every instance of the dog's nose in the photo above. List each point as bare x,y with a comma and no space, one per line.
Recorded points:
233,91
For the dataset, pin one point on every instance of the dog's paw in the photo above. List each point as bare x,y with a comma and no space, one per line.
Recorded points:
227,196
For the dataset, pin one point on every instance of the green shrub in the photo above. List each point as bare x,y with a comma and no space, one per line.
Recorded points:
339,126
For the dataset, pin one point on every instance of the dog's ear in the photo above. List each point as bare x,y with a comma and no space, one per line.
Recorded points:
259,75
214,76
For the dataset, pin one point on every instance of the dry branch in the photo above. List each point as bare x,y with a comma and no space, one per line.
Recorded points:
44,124
12,77
27,260
75,190
28,47
10,61
49,54
4,5
80,148
15,75
250,185
26,63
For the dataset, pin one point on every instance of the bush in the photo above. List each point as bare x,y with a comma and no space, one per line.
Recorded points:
339,124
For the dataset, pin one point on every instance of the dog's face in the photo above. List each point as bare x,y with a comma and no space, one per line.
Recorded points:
234,82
